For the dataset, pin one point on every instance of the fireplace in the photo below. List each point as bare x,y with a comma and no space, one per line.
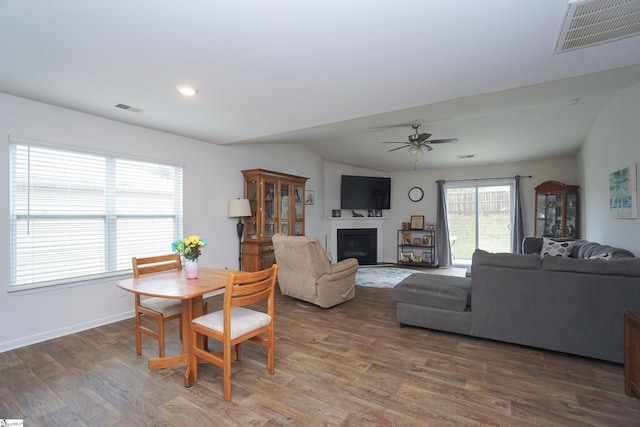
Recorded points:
359,243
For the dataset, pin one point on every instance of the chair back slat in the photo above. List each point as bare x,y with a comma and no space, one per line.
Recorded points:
249,288
154,264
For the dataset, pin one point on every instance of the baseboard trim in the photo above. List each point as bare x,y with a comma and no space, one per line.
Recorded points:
56,333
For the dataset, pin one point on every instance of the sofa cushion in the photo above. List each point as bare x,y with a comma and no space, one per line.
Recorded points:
556,248
614,267
507,260
606,256
437,291
586,249
581,248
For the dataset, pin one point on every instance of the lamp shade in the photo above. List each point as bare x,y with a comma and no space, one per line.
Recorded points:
239,208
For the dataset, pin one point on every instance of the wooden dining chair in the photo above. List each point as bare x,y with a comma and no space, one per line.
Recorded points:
235,324
161,309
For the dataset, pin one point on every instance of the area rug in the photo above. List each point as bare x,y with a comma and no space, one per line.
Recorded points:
382,277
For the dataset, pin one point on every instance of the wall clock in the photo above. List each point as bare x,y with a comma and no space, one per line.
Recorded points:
416,194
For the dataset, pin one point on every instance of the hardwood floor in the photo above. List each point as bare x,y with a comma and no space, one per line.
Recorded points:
350,365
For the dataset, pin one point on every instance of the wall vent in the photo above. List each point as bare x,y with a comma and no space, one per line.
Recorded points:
593,22
129,108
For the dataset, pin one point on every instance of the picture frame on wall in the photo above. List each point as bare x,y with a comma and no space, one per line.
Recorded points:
309,197
623,193
417,222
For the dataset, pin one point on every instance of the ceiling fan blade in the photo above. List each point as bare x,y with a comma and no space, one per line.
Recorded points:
399,148
424,136
442,141
394,142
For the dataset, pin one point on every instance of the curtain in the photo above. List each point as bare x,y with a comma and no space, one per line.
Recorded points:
517,231
443,246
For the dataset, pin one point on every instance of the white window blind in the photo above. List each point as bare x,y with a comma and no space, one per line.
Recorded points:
77,216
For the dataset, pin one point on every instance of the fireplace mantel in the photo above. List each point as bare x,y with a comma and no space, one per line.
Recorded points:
346,223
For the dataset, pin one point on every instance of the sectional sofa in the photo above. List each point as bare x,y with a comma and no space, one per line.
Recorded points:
573,303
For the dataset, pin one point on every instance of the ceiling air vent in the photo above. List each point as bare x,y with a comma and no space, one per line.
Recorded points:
129,108
593,22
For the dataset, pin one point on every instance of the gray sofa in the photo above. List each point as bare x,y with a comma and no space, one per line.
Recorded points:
573,305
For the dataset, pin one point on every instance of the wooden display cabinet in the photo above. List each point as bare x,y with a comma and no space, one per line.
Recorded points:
632,353
557,210
277,206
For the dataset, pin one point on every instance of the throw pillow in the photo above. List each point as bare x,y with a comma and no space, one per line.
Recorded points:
553,248
605,256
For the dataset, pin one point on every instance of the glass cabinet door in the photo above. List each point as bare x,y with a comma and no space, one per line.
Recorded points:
269,208
298,211
572,215
285,193
298,204
250,224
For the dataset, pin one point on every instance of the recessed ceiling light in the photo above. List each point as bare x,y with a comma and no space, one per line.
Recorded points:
187,90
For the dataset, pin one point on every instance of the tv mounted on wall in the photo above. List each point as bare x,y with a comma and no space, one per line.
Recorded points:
365,192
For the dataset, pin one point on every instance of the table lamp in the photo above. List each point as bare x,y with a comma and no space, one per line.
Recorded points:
239,208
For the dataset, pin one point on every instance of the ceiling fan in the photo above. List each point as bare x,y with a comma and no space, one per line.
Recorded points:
419,142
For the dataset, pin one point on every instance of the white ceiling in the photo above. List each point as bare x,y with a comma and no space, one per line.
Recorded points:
334,75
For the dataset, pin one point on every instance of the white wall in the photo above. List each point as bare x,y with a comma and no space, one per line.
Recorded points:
563,170
612,144
211,177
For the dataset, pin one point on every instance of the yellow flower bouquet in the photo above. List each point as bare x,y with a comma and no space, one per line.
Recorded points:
190,247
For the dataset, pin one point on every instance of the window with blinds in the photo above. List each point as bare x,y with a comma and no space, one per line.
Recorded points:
77,216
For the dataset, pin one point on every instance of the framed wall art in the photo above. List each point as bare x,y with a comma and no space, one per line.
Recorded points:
309,197
623,193
417,222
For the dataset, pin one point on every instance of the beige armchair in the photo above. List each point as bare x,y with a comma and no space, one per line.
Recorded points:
306,274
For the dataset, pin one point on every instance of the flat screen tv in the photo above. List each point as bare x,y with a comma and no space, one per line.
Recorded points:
365,192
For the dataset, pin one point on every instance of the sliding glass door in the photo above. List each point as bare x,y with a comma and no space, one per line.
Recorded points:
480,216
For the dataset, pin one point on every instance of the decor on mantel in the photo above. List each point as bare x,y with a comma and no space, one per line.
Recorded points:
190,248
239,208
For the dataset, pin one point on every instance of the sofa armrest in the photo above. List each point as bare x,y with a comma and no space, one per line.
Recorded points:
343,268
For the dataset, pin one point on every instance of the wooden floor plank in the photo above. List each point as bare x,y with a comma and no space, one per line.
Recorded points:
350,365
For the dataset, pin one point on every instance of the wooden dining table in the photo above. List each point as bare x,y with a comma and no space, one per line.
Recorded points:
174,284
